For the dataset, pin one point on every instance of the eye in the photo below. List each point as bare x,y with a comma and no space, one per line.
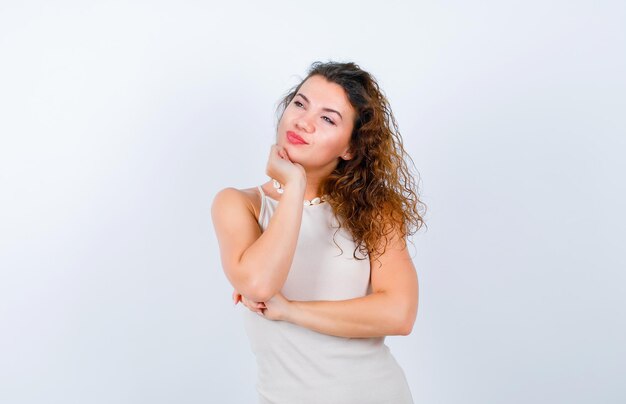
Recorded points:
327,119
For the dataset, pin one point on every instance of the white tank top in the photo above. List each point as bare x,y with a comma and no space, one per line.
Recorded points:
298,365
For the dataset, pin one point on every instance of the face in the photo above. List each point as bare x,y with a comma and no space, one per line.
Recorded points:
322,116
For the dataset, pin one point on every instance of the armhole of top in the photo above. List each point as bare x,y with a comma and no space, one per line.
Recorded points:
262,210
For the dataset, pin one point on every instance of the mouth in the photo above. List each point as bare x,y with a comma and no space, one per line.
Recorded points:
293,138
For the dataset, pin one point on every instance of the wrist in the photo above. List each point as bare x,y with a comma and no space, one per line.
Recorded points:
294,190
296,183
291,314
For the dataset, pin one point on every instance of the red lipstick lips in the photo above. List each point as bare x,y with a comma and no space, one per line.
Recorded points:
293,138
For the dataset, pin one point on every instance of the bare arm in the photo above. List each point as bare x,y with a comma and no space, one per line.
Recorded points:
390,309
257,263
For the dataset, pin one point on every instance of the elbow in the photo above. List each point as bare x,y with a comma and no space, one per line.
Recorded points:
407,322
259,292
255,294
401,314
260,296
254,287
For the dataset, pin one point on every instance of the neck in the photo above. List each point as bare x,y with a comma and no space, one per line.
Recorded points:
312,188
315,177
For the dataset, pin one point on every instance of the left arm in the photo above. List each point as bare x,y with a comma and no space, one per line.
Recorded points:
390,309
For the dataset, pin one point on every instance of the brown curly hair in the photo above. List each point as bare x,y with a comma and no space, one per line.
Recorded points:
373,194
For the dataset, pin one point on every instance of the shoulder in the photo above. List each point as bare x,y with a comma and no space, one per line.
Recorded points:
230,199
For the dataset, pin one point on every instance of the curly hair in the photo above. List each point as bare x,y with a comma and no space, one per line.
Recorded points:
374,194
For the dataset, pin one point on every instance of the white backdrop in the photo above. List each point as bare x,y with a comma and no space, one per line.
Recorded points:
120,121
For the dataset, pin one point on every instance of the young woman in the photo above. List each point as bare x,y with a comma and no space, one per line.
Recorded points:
318,253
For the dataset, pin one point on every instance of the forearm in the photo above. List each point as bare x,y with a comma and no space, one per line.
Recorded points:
374,315
267,261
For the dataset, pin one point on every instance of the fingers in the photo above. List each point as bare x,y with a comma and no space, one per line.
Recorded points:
281,151
256,307
280,167
286,154
277,149
253,306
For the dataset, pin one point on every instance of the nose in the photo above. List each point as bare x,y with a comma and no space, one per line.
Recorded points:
303,123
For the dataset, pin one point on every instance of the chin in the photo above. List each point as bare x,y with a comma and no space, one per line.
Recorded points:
292,151
290,147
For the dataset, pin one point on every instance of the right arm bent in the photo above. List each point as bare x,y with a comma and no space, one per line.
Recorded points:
257,263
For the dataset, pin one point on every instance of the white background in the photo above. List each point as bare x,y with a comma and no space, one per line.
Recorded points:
120,121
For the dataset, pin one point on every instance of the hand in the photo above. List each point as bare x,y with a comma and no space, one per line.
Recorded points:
281,168
278,308
253,306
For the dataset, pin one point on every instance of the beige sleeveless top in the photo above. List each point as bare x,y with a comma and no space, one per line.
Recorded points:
298,365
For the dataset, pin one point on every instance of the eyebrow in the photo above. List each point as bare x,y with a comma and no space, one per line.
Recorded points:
324,109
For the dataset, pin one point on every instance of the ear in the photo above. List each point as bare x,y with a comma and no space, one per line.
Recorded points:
346,155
